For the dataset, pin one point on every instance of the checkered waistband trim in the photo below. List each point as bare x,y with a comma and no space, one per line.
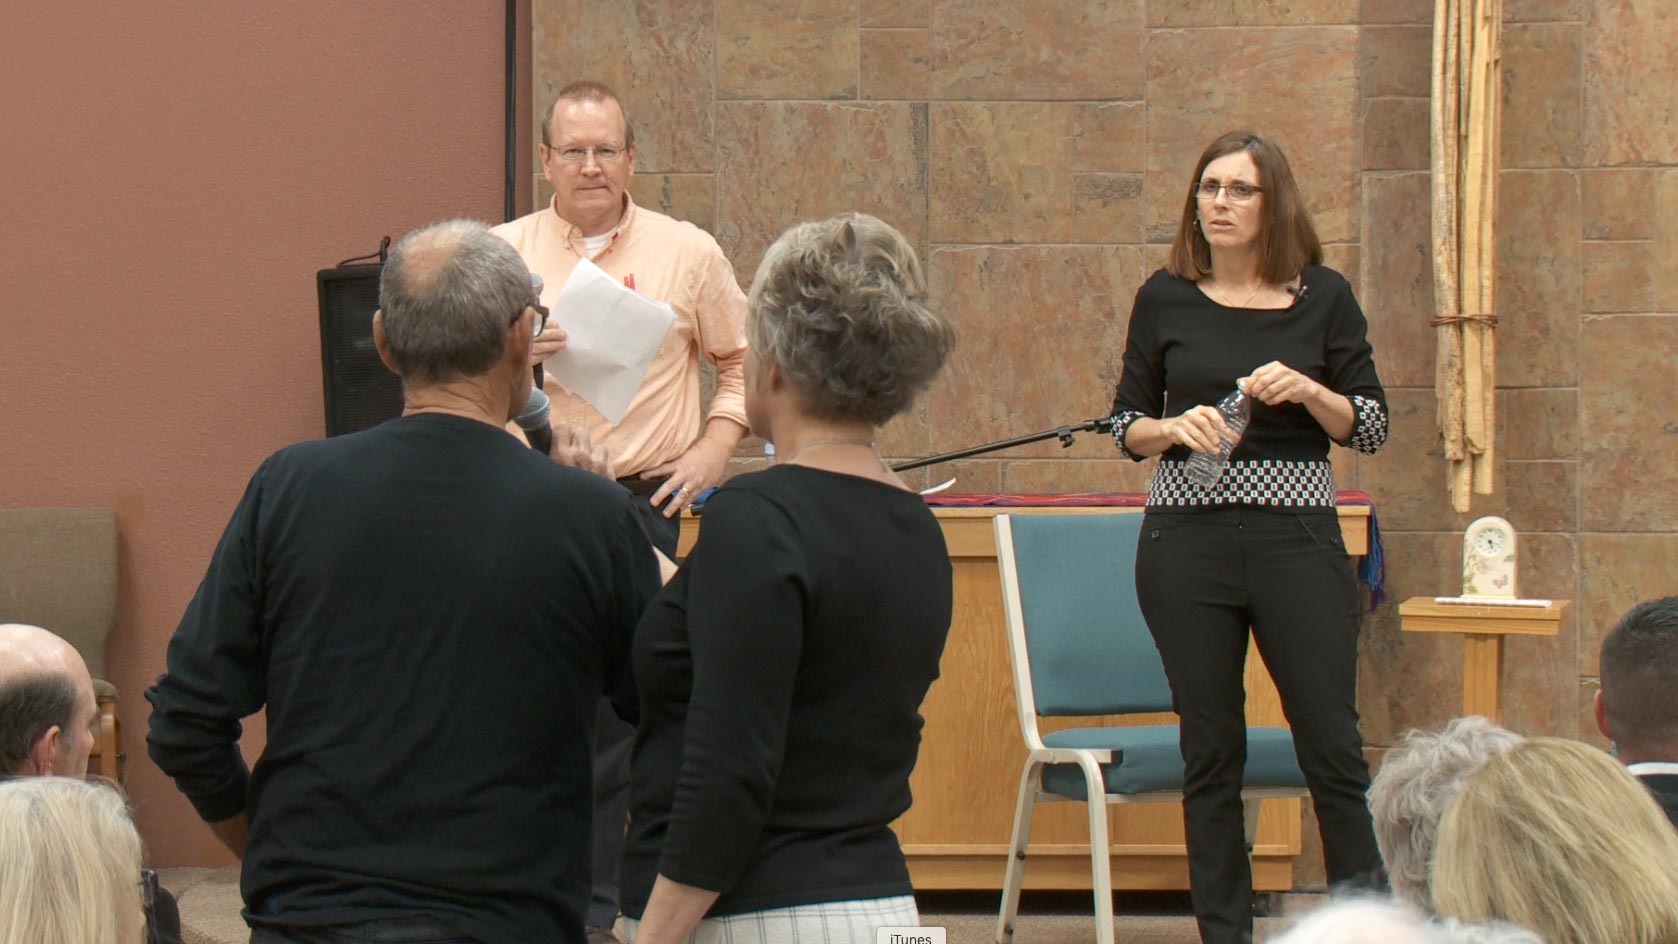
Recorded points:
1280,482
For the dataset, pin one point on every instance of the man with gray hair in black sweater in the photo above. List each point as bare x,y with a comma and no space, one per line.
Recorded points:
430,612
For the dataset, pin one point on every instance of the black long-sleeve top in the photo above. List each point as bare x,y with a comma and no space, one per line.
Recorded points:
781,675
429,611
1186,350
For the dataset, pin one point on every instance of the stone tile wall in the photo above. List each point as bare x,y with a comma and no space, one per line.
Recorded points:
1036,152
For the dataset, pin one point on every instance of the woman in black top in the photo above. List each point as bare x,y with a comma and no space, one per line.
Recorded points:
782,670
1245,301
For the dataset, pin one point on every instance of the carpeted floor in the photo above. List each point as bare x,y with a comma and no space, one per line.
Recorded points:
209,900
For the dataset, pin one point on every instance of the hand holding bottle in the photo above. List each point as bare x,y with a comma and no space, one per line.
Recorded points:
1276,383
1199,428
1236,409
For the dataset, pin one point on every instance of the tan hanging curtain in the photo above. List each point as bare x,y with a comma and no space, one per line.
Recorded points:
1467,96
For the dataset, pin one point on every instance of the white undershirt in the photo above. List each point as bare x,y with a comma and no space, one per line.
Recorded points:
593,244
1652,767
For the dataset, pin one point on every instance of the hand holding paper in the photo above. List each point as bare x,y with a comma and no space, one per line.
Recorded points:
611,335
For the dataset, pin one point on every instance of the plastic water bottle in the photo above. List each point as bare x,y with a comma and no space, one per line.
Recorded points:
1204,468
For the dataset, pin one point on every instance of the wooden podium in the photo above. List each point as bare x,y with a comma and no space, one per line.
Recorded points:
956,834
1482,629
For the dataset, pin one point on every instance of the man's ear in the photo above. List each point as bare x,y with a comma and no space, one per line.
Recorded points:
1600,709
521,342
44,750
380,342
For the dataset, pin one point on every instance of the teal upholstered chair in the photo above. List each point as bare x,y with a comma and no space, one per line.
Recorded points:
1080,648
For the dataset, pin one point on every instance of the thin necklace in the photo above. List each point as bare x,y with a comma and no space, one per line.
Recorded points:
865,443
1249,299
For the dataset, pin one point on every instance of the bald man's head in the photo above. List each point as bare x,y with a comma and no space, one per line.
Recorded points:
46,704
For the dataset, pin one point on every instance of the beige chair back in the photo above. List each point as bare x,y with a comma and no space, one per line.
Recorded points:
58,570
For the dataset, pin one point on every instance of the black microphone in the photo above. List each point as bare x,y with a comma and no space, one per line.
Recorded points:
534,420
1298,293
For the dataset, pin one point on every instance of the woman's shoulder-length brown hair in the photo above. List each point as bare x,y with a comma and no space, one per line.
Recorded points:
1287,241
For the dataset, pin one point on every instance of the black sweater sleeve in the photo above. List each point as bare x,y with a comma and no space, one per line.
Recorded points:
635,581
1141,390
214,673
1351,368
747,598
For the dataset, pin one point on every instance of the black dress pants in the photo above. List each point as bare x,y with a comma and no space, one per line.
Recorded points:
416,930
1203,577
613,740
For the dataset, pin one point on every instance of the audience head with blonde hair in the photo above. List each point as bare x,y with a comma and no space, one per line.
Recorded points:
1556,836
1417,780
69,864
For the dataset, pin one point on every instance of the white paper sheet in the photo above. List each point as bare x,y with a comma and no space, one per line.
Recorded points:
939,487
611,335
1490,601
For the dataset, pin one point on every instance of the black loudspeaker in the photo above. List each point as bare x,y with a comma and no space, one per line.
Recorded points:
360,391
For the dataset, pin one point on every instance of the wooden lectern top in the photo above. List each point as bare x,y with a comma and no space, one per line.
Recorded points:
1424,615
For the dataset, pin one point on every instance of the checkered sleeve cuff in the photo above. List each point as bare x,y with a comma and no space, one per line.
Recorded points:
1121,425
1369,425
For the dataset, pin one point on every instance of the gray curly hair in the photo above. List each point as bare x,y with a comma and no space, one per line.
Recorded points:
1418,779
838,304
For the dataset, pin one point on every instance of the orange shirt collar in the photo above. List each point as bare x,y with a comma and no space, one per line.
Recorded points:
574,234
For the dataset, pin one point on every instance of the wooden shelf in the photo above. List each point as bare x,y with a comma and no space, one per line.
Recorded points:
1483,629
1422,615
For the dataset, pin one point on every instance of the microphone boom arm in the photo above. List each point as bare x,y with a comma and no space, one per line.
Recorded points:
1066,435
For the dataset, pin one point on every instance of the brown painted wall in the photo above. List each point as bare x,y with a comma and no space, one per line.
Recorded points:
174,173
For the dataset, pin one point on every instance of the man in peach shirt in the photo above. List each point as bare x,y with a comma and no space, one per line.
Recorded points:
664,448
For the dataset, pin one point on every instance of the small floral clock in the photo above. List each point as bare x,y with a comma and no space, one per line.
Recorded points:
1488,559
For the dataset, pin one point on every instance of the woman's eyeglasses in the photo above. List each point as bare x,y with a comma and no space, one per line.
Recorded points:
1235,192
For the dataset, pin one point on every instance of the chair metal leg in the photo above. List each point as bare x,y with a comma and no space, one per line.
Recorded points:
1101,866
1014,873
1261,902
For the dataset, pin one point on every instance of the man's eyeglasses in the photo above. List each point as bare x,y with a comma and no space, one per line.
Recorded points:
578,155
148,889
538,324
1236,192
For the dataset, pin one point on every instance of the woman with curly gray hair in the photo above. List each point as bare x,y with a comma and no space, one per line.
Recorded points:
1417,781
783,667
